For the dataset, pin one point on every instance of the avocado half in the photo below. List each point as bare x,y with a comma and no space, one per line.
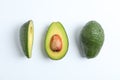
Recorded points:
26,38
92,38
55,29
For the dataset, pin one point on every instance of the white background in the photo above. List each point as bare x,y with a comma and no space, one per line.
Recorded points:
73,14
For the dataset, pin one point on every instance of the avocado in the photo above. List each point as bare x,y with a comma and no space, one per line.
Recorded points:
92,38
26,38
56,41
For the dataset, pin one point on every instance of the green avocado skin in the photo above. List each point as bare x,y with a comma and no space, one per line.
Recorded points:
92,38
23,38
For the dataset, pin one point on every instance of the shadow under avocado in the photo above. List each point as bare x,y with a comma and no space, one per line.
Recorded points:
42,43
17,41
78,40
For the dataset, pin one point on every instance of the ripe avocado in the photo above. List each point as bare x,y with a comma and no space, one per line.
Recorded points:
26,38
56,41
92,38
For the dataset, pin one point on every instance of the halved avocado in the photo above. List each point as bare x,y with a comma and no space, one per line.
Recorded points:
56,41
26,38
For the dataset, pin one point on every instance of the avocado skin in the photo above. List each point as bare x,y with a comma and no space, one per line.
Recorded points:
92,38
24,38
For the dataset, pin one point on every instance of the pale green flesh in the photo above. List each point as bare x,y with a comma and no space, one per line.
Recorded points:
30,38
56,28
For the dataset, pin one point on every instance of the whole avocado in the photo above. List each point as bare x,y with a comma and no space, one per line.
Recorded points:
92,38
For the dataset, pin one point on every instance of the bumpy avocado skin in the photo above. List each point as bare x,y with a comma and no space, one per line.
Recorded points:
92,38
24,38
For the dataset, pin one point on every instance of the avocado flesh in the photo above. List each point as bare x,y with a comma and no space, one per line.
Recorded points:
56,28
26,38
92,38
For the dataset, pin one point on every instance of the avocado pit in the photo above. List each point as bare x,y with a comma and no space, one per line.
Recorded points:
56,43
